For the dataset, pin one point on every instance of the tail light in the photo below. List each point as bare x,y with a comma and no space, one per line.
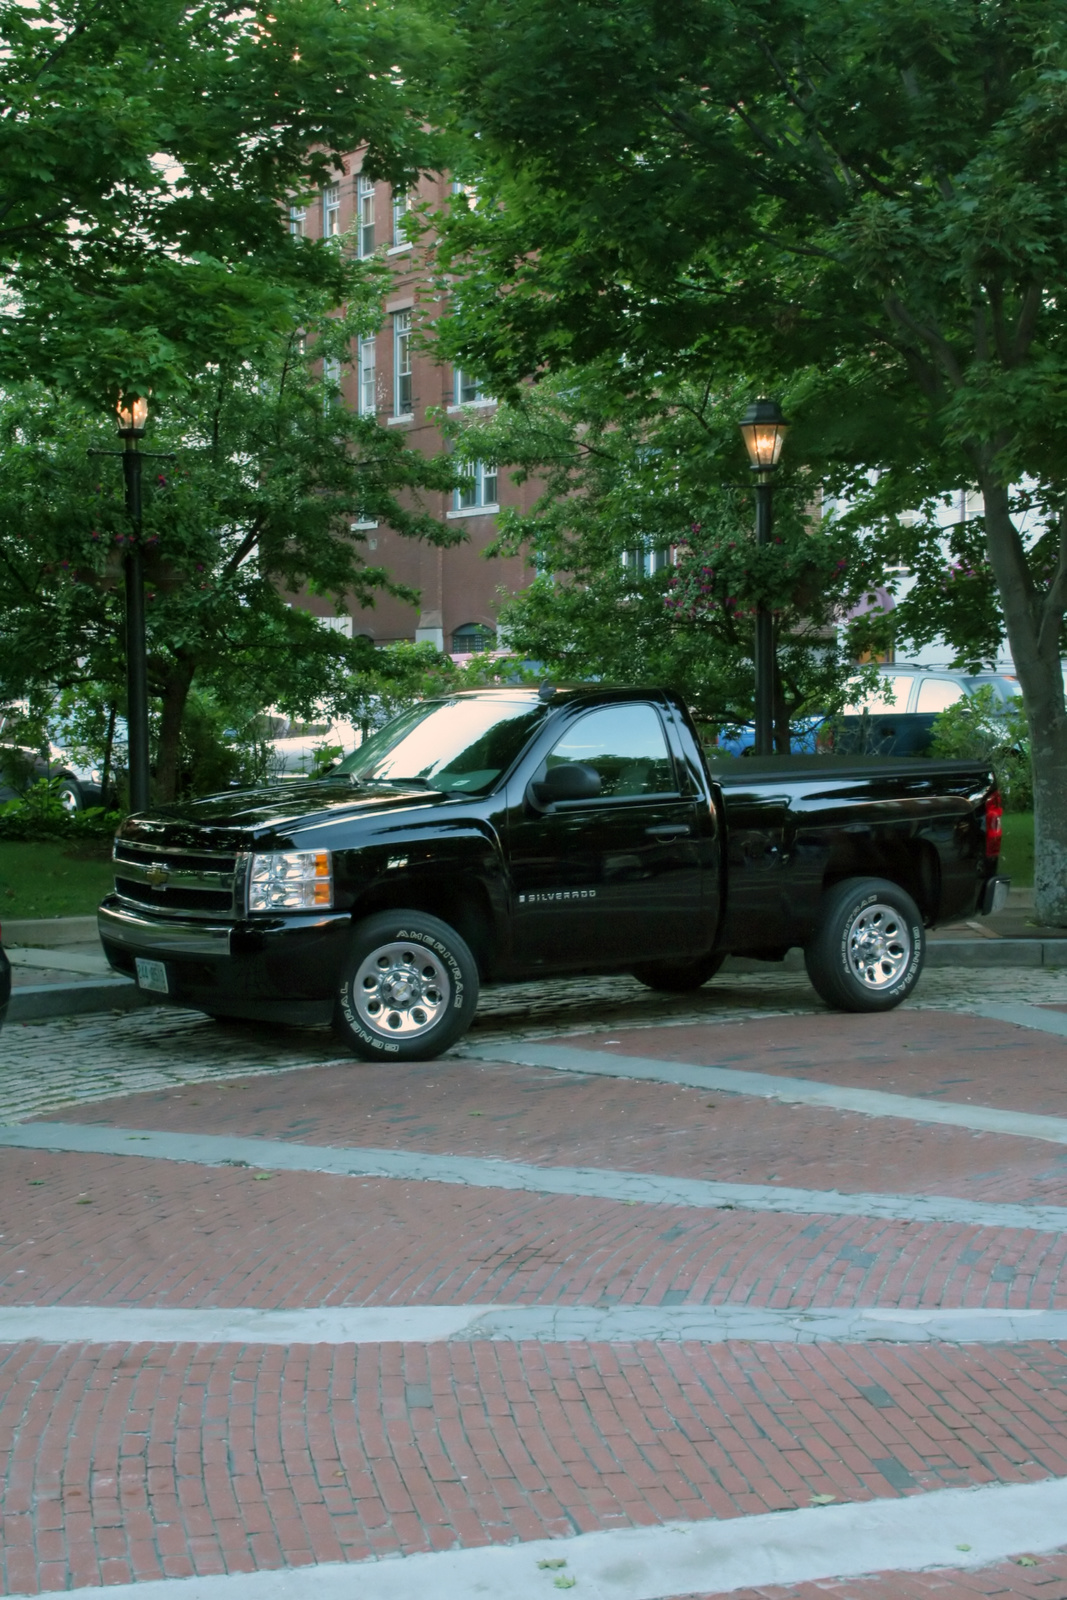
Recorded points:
994,811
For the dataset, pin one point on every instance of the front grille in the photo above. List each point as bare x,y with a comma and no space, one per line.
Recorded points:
178,882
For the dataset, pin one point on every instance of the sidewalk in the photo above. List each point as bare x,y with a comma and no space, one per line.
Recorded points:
58,969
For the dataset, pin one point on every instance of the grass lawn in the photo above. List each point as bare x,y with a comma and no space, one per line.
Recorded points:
53,879
1017,858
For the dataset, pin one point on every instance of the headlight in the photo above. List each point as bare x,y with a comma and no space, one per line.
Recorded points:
290,880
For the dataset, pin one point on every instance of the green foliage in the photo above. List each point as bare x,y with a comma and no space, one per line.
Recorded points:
269,476
633,472
400,674
977,726
39,814
148,159
861,205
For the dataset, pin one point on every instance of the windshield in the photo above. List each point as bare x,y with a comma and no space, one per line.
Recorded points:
449,745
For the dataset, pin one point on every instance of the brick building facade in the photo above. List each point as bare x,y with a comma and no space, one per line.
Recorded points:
399,382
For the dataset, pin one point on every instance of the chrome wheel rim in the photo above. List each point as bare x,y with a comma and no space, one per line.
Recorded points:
401,990
69,801
879,946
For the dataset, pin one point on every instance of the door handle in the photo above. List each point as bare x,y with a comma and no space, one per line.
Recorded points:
667,830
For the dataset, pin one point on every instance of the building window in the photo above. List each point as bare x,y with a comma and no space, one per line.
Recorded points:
401,207
331,379
298,216
647,560
479,489
331,211
471,638
402,402
468,390
368,392
365,215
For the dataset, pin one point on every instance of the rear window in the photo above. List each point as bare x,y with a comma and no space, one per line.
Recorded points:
892,697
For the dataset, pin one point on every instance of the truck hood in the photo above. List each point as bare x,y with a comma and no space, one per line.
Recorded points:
238,815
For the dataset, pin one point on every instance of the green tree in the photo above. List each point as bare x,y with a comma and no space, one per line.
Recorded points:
148,156
643,539
863,201
271,472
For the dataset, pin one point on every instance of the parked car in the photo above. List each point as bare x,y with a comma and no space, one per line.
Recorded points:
514,834
295,746
5,980
21,765
898,720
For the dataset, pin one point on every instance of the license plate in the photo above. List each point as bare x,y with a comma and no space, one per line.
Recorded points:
152,975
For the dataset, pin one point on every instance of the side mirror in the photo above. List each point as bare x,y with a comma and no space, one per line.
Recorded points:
571,780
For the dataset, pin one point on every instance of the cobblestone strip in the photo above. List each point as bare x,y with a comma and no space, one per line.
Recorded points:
47,1065
640,1188
1025,1576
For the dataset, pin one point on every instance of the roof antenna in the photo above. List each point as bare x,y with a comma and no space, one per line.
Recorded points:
546,691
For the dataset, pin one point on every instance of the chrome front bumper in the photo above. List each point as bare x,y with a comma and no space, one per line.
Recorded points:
139,933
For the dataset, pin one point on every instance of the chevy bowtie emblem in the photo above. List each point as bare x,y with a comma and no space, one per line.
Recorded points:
157,875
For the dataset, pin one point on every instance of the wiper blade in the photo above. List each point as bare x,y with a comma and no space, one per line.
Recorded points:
410,783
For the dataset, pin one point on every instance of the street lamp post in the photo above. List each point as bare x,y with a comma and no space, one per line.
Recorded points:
763,428
133,415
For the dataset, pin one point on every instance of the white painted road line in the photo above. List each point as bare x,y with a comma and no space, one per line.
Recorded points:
334,1325
677,1558
762,1085
594,1183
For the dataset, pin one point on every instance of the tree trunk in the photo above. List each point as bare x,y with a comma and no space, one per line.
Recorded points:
1036,653
175,694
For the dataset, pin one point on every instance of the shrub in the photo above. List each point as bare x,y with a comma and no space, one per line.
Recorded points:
39,814
979,727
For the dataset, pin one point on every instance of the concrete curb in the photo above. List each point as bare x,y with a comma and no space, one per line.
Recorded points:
48,933
36,1001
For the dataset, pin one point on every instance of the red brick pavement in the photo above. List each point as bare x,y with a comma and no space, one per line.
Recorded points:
126,1230
554,1119
137,1461
1045,1580
943,1055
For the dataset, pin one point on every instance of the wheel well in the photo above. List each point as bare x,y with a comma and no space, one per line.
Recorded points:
467,911
912,864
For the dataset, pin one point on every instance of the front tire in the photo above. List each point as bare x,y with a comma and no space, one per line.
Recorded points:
679,977
409,989
868,948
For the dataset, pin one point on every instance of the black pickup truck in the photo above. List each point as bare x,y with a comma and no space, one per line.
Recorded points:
507,834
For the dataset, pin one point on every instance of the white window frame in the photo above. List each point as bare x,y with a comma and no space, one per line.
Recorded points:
401,207
368,376
403,396
298,216
365,215
480,492
477,398
331,211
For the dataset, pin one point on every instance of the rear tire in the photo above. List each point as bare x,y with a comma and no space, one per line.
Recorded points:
679,977
868,948
409,989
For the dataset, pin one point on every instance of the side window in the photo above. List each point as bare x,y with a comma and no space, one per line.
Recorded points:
937,694
626,746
